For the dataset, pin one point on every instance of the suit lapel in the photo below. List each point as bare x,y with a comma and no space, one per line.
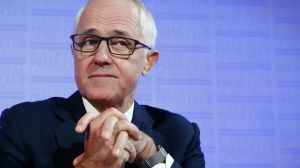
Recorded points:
143,119
70,143
146,123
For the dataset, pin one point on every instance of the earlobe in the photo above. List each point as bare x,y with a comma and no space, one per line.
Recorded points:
152,58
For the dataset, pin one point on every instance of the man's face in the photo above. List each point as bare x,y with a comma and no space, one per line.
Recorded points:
105,80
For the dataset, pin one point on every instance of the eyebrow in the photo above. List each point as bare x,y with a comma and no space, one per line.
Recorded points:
114,32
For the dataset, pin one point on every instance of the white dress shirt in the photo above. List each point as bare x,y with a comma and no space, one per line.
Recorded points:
91,109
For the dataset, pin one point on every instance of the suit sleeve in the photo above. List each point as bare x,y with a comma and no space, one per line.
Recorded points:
193,157
11,145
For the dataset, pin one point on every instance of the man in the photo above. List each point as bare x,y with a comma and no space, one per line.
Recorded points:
112,48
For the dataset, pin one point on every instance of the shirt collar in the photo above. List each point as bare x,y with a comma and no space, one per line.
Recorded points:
91,109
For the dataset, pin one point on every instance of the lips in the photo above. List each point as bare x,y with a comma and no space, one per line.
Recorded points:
102,76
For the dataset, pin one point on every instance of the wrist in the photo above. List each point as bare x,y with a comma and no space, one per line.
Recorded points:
158,158
149,150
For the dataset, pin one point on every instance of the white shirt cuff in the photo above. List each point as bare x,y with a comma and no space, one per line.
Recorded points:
168,164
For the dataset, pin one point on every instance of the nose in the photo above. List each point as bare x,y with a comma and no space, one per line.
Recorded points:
102,54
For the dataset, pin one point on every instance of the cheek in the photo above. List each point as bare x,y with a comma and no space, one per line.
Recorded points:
133,72
81,65
138,64
77,75
80,69
77,68
134,68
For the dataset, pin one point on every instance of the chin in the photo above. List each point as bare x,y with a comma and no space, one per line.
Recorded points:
100,96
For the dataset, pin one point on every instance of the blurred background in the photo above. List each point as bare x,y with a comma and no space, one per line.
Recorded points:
231,66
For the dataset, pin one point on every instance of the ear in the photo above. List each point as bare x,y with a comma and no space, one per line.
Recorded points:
151,58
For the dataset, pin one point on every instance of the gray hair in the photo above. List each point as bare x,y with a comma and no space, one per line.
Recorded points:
147,23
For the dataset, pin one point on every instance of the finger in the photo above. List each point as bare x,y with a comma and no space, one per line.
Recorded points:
108,112
125,157
140,144
133,131
145,147
119,145
84,121
108,127
130,148
78,159
97,123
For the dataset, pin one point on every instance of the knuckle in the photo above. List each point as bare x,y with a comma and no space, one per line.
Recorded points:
122,124
111,110
107,112
114,118
93,126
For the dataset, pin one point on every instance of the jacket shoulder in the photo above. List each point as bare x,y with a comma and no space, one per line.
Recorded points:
162,114
181,138
166,119
36,107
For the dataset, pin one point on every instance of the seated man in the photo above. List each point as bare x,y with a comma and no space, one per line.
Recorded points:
101,125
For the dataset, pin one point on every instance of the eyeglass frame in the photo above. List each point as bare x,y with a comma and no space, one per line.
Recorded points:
136,42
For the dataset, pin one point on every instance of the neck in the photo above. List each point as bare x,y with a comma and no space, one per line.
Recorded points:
122,107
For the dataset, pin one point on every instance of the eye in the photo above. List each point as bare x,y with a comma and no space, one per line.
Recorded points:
119,42
89,42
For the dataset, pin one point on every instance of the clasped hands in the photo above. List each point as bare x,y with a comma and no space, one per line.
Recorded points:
111,141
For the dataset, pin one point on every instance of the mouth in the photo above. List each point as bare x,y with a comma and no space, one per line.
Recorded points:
102,76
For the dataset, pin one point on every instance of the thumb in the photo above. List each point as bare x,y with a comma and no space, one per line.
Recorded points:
78,159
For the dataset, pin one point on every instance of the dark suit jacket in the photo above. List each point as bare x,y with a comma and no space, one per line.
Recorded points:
41,134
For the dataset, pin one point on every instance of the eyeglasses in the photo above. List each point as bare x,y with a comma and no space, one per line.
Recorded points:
117,46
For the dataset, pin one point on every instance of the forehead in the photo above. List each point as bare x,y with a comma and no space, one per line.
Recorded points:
105,17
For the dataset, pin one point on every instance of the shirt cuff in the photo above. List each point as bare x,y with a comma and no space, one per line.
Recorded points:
168,164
